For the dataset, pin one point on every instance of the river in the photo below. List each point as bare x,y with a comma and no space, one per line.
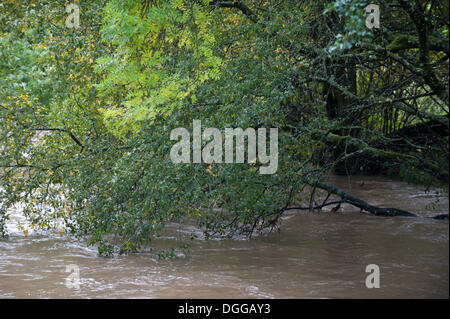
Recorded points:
316,255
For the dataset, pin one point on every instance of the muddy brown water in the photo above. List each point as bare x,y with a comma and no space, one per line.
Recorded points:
316,255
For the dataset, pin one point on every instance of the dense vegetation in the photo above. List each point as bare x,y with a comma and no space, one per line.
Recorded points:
86,113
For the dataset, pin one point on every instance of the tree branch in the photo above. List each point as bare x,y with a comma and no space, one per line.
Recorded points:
235,4
349,199
385,154
72,136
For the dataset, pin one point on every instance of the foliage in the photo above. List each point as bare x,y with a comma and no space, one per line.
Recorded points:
86,114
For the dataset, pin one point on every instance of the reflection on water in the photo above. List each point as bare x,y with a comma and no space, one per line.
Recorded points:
315,255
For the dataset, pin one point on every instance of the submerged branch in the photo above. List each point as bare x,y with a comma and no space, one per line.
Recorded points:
350,199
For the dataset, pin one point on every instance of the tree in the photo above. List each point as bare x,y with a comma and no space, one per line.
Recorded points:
344,98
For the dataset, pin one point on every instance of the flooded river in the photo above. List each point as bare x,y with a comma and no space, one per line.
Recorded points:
316,255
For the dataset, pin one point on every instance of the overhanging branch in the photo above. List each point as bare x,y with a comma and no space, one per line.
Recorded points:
72,136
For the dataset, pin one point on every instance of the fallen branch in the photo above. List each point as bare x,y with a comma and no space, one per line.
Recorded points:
349,199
